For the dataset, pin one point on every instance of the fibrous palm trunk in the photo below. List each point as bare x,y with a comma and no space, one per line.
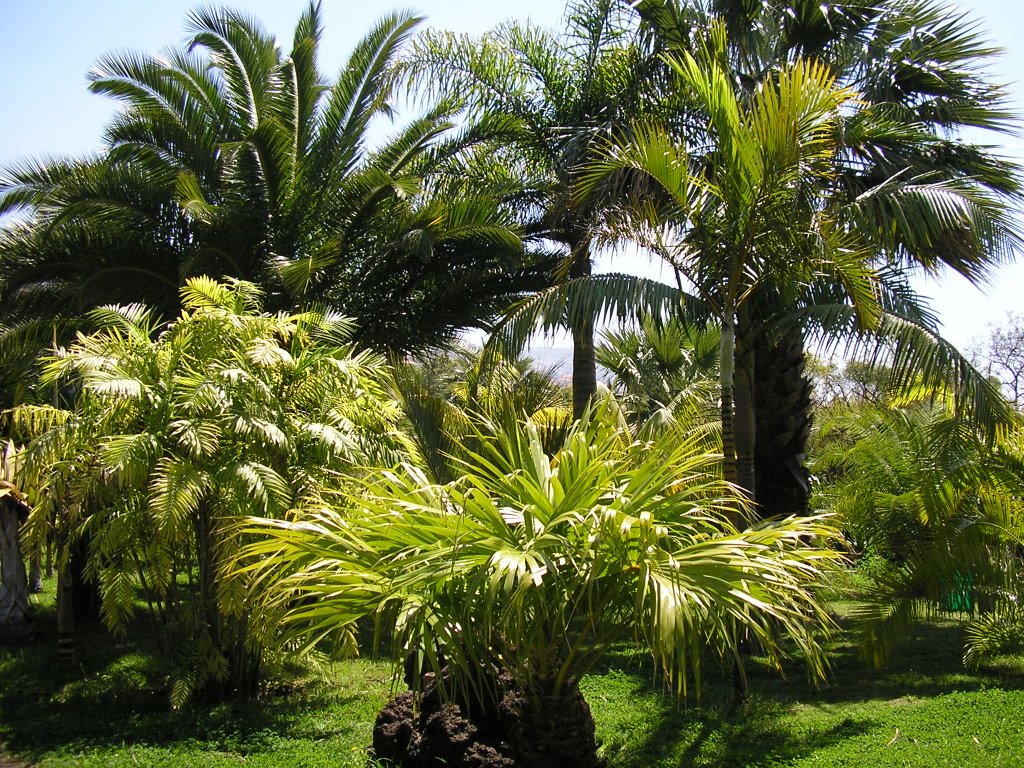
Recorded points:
506,729
782,402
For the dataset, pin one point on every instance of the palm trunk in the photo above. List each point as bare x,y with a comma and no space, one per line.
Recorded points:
727,380
15,612
511,730
65,611
35,574
783,405
744,424
584,368
584,360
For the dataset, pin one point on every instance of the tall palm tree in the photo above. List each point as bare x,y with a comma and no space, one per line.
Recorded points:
561,94
926,197
740,202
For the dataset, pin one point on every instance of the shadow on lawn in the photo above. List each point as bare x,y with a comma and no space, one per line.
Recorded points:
787,719
750,737
111,700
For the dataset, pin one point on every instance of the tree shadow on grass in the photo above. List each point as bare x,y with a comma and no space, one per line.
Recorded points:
655,729
928,663
738,739
110,699
785,719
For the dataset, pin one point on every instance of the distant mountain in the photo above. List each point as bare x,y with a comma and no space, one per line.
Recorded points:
551,357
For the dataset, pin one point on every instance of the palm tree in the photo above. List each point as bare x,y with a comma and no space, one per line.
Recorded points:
228,412
740,204
925,196
229,158
440,415
659,368
560,94
522,573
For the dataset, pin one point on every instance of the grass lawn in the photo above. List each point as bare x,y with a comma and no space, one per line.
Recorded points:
924,710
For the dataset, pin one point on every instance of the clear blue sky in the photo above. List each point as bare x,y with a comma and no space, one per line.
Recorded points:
47,46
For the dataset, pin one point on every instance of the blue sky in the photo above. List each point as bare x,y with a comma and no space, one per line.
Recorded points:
47,46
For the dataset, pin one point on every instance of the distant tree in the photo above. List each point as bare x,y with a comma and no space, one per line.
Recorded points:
658,367
1001,355
443,393
849,383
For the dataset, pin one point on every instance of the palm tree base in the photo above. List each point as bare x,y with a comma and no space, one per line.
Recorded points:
16,619
415,731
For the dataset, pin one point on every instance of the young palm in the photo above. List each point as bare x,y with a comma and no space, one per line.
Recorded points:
532,564
661,368
174,437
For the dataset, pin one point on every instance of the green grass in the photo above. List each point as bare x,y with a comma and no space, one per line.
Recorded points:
924,710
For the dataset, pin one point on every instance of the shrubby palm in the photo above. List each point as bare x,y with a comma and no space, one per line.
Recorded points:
175,437
658,368
936,509
533,563
440,415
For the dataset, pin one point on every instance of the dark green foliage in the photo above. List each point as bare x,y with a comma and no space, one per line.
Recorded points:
231,157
